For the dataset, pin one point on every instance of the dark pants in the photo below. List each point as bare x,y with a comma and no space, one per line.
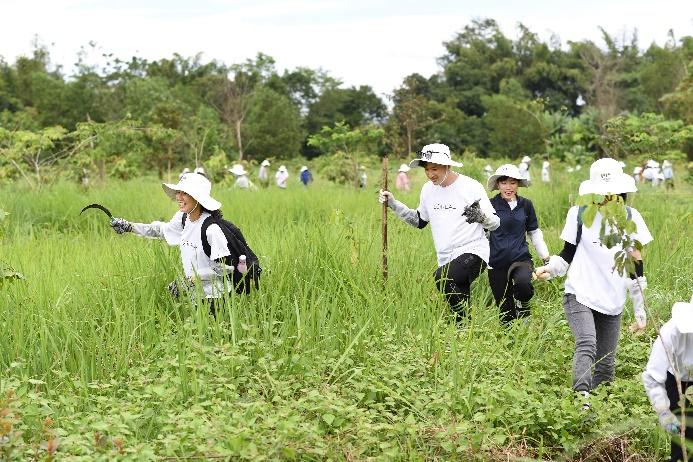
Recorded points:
455,279
510,283
673,394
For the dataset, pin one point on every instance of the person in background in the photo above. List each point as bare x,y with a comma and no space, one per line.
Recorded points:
668,174
363,177
263,174
201,171
242,180
305,177
672,356
546,170
524,168
488,170
637,173
459,212
510,263
193,196
595,294
281,177
402,182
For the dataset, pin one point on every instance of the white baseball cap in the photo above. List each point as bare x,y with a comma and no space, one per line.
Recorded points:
682,315
607,177
435,153
508,170
197,186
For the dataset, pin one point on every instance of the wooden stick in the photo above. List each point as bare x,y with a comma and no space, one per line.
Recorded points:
384,221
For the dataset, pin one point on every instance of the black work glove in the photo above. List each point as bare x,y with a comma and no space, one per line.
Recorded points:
473,213
120,225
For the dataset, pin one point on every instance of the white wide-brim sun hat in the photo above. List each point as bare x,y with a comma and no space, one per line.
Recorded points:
237,169
435,153
607,177
526,159
682,315
304,168
195,185
404,168
508,170
282,169
265,163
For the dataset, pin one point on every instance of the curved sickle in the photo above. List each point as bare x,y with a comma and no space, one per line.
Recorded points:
97,206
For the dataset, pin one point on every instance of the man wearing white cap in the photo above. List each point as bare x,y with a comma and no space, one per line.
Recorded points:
459,211
242,180
672,357
402,181
595,294
263,174
195,206
524,167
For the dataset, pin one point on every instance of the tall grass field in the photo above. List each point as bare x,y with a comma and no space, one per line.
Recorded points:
326,361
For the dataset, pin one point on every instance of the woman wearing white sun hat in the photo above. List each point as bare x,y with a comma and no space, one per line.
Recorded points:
672,356
510,263
402,181
281,177
459,211
263,174
195,206
242,180
595,294
524,168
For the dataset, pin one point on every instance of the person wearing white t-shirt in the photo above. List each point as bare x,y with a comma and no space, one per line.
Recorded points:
524,168
672,358
595,293
195,205
459,211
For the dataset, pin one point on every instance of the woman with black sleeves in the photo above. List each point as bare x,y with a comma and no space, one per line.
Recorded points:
510,263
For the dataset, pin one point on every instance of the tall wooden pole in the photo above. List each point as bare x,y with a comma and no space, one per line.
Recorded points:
384,220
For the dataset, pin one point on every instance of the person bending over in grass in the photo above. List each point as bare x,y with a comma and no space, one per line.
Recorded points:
595,293
459,211
510,264
672,356
208,251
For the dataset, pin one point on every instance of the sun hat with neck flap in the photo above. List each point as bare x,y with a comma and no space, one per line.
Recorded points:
195,185
435,153
607,177
510,171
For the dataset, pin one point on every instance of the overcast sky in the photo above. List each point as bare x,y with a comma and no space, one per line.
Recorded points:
371,42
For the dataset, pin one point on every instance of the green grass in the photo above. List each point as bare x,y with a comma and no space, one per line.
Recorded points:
325,361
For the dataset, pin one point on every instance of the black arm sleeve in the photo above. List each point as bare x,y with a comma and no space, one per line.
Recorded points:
568,252
639,270
422,224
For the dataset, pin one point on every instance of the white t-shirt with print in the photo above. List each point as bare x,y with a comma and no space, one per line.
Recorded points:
189,239
591,275
442,207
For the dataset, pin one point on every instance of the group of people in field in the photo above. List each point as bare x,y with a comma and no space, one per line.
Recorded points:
652,173
472,233
242,179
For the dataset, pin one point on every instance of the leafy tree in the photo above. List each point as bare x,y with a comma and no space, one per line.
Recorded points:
515,129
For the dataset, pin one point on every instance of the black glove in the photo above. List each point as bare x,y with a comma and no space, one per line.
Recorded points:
173,289
473,213
120,225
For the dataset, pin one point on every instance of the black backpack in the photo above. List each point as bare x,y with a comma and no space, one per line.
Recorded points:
237,246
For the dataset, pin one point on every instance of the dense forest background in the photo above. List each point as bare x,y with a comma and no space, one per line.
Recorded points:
493,97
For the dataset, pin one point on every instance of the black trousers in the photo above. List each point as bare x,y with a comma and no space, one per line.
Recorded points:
673,394
510,283
455,279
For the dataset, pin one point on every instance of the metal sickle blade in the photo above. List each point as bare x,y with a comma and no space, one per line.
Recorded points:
97,206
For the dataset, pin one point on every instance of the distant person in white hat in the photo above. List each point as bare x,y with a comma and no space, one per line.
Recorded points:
263,174
510,263
402,182
488,170
204,248
546,171
363,177
668,174
595,294
524,168
242,180
281,177
459,212
201,171
305,176
672,356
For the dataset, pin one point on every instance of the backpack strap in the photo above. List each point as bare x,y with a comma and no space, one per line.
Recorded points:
182,221
629,215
